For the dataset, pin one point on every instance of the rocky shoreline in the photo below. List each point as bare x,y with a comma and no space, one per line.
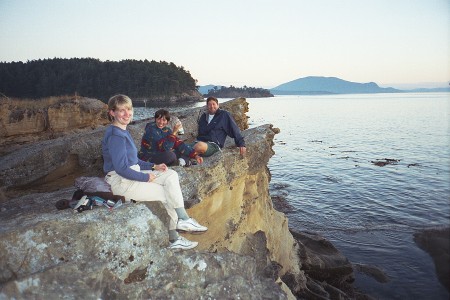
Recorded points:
248,252
190,96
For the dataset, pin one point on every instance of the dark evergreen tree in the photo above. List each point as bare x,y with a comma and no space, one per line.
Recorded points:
91,77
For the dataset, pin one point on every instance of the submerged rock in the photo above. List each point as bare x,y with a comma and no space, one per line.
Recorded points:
385,161
372,271
328,271
436,242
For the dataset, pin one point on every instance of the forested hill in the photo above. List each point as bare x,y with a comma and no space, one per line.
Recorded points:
94,78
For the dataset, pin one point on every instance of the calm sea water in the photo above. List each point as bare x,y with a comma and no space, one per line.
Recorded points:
323,168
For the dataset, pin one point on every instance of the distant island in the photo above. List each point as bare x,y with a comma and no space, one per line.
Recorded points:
328,85
318,85
235,92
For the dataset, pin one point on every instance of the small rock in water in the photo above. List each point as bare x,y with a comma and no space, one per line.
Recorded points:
386,161
372,271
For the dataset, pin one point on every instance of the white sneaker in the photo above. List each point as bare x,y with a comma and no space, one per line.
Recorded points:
190,225
181,162
183,243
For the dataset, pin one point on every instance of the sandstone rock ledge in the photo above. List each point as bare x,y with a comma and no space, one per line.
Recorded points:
23,121
247,253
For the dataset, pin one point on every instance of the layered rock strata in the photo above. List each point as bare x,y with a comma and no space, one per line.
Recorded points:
41,244
25,121
28,121
248,251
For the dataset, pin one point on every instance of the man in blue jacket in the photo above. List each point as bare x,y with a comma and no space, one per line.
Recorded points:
213,128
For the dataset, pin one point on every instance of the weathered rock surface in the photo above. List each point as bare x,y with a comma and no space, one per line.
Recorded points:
248,251
24,121
57,162
112,254
41,245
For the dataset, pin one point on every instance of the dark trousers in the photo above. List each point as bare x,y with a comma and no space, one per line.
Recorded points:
168,157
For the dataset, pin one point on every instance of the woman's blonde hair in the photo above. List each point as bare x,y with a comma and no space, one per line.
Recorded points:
117,100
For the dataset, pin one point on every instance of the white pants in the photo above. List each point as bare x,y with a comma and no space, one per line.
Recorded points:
165,188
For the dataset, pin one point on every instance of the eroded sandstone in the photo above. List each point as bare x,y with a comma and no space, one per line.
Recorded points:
26,121
248,251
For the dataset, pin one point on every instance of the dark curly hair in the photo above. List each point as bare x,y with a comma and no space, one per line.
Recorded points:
162,113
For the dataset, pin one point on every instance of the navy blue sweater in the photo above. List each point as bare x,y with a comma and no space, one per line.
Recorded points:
217,130
120,153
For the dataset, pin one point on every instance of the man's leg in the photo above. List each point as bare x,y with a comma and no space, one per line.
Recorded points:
167,157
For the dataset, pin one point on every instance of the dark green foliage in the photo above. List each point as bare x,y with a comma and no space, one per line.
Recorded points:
90,77
232,92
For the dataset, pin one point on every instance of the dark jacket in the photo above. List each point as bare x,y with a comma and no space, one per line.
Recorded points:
217,130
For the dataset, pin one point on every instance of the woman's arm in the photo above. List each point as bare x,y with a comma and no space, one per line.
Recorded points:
117,146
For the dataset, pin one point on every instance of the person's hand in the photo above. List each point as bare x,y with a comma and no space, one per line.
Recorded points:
242,150
151,177
199,159
161,167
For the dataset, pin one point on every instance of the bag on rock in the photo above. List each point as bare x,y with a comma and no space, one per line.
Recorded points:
91,187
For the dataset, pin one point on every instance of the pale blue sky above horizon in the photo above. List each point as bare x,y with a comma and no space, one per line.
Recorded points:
397,43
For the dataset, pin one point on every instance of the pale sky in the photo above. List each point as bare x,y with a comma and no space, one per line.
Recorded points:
258,43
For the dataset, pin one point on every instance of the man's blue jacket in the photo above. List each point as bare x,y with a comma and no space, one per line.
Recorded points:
217,130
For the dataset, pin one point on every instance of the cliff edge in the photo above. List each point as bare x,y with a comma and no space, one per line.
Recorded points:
248,251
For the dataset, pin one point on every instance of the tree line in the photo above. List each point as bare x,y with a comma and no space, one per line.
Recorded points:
232,92
93,78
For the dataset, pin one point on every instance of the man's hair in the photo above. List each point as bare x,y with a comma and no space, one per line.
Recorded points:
162,113
117,100
211,98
